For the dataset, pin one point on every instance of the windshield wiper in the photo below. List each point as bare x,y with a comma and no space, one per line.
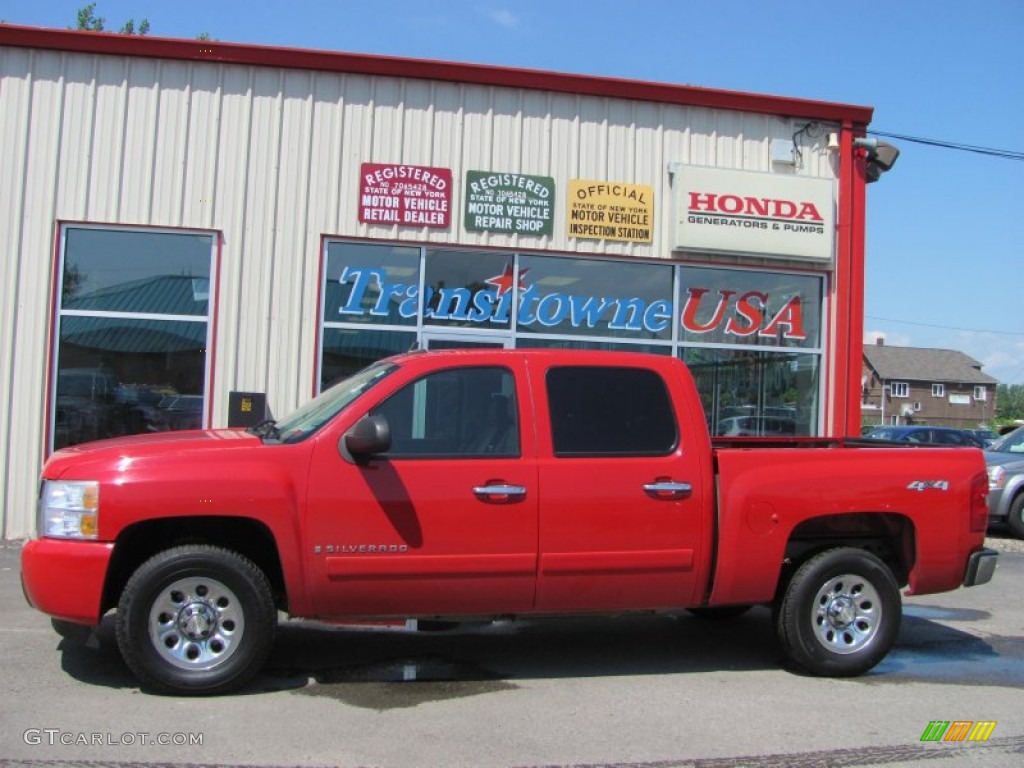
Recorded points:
265,429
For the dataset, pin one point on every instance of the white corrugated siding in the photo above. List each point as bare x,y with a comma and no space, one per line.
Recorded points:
270,158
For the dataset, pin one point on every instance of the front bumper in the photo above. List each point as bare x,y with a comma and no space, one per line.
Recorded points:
65,578
981,565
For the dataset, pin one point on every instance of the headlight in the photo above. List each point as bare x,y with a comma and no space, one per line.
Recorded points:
996,476
69,509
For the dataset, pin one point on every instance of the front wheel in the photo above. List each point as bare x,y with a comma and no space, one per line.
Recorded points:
840,613
196,620
1016,517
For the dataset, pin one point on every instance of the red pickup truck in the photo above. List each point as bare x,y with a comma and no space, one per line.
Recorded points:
495,483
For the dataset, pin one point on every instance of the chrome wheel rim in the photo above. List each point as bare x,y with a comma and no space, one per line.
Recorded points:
846,614
196,623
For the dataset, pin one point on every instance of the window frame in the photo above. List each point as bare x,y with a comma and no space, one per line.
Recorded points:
984,393
938,390
900,389
421,419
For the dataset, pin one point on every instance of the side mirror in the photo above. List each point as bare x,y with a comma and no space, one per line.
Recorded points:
368,436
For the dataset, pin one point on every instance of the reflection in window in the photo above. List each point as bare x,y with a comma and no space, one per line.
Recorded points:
756,394
529,342
468,289
136,271
371,284
728,306
595,298
346,351
132,333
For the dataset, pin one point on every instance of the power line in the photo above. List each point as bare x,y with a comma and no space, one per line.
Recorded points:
1006,154
943,327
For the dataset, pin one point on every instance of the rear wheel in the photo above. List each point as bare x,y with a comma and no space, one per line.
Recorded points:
839,614
1016,517
196,620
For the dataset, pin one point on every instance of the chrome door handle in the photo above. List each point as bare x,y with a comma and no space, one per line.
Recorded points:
668,490
500,492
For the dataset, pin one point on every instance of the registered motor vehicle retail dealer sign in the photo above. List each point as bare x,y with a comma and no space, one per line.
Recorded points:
768,214
511,203
406,195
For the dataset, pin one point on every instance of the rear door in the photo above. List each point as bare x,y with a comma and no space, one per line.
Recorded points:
622,510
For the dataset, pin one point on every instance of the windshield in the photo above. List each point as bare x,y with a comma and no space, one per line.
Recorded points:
1012,443
303,422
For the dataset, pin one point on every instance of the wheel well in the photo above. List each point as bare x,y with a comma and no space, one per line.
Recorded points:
137,543
889,537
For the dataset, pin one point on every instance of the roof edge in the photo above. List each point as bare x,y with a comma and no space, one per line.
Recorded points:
113,44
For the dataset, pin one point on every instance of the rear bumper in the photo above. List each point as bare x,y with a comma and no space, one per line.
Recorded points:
65,578
980,567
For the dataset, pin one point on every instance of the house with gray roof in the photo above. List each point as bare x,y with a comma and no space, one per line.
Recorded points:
911,385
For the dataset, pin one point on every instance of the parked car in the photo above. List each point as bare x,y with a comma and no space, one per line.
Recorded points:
1005,460
925,434
85,407
176,412
987,436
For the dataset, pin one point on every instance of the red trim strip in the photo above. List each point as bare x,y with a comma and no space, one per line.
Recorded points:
643,561
109,44
430,566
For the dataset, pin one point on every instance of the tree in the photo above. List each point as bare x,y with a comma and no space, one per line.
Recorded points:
129,27
1010,398
89,21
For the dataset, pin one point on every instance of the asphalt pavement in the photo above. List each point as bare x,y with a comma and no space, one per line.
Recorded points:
629,691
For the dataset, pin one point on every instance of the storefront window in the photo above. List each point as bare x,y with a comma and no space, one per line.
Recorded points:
743,307
376,284
529,342
346,351
468,289
752,337
133,333
756,394
593,297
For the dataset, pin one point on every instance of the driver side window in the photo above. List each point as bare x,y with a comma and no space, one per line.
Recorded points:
462,412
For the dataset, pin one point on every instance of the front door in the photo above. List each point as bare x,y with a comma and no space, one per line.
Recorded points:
446,521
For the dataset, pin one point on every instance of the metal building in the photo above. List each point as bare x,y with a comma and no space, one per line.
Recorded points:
188,227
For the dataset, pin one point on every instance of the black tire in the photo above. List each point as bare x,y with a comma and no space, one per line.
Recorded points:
1015,518
840,613
720,612
196,620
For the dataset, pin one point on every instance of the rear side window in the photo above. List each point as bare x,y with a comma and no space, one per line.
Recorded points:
598,411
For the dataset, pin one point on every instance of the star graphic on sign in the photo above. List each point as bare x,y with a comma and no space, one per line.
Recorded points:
504,280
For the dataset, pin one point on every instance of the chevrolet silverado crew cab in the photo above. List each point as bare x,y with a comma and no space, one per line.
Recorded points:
482,483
